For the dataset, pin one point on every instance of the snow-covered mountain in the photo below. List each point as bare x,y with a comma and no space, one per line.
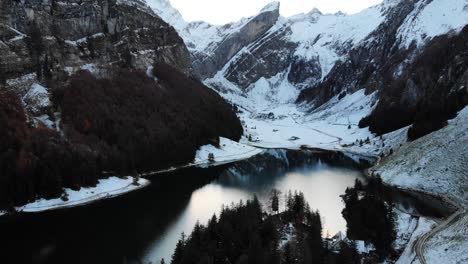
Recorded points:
313,58
367,83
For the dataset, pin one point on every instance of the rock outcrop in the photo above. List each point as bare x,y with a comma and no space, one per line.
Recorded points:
206,64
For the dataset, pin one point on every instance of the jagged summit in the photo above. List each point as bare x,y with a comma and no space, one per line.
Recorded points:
315,11
273,6
168,13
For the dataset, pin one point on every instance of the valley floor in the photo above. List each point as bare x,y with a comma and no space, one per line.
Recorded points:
437,163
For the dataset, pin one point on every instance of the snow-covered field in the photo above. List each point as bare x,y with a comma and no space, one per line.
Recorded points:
105,189
333,126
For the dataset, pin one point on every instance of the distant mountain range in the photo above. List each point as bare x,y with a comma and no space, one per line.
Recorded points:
413,52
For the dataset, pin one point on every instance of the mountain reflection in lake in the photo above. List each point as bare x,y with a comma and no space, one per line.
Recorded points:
144,226
322,185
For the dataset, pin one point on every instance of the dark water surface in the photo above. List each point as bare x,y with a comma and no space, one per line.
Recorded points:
144,226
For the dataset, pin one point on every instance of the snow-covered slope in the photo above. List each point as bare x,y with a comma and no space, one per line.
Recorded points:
328,36
449,245
436,163
168,13
294,53
300,51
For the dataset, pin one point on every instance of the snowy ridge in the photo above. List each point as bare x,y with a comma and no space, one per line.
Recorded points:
322,39
169,14
271,7
322,36
433,18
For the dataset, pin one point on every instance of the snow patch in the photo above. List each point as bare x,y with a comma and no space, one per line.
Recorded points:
424,225
228,151
105,189
36,98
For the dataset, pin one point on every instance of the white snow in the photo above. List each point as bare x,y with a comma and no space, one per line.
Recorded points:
229,151
423,226
84,39
271,7
450,245
405,225
433,18
267,93
169,14
105,189
90,67
323,36
436,163
36,98
325,128
363,248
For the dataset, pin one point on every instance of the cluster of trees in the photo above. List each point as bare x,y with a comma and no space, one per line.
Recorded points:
244,233
370,217
125,124
141,125
36,161
240,235
308,247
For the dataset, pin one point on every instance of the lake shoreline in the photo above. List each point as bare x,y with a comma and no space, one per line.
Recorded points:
423,196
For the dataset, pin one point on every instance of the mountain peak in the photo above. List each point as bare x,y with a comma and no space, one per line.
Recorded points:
168,13
315,11
273,6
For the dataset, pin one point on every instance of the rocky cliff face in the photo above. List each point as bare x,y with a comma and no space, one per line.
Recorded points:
206,64
44,40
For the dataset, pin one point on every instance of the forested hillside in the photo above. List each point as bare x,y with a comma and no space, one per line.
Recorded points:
123,124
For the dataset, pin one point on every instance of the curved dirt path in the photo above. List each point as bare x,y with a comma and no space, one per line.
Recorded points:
420,245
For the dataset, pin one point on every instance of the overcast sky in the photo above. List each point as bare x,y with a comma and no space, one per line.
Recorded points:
225,11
